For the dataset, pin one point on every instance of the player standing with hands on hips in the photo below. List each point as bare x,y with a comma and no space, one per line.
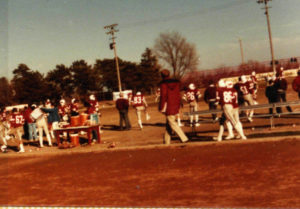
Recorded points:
169,105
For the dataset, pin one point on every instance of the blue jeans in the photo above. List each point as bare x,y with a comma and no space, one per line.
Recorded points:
94,117
32,131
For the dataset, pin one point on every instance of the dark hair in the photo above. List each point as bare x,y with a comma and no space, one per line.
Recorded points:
165,73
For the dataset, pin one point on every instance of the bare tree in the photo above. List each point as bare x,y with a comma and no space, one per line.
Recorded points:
173,50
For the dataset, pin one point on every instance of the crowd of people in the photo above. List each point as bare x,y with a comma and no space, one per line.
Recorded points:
33,121
36,120
230,96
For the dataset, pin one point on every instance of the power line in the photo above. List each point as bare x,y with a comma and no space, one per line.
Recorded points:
184,15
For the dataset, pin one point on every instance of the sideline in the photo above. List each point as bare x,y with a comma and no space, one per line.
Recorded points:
148,147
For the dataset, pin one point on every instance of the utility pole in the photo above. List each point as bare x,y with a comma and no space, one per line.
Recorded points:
112,45
242,53
269,30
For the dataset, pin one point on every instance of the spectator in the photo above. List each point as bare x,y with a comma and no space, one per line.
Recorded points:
296,83
210,98
42,125
122,104
53,118
169,105
140,104
31,126
271,94
281,87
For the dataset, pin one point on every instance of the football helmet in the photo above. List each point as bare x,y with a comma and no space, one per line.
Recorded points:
192,86
62,102
92,97
243,79
138,93
221,83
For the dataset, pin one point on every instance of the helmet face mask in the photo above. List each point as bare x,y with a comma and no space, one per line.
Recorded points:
229,84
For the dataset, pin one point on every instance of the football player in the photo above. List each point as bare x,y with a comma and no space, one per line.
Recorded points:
16,120
246,90
228,99
191,96
63,110
139,103
74,107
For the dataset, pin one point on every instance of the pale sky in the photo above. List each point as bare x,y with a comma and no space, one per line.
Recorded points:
44,33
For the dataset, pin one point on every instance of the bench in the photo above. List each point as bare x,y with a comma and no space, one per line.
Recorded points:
250,107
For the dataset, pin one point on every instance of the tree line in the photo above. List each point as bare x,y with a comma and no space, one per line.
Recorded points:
79,80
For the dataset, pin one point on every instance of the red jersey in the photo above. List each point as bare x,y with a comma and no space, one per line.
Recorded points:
246,88
138,101
227,96
94,107
74,107
27,115
16,120
296,84
63,110
192,95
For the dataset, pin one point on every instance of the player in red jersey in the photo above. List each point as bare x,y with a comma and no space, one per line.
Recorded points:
63,110
139,103
296,83
228,99
74,106
246,89
191,96
253,78
16,120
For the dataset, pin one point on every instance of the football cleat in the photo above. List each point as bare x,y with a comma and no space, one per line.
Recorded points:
4,148
229,137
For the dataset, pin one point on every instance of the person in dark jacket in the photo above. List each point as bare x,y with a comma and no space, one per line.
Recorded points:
296,83
271,94
169,105
122,104
210,95
281,87
53,118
